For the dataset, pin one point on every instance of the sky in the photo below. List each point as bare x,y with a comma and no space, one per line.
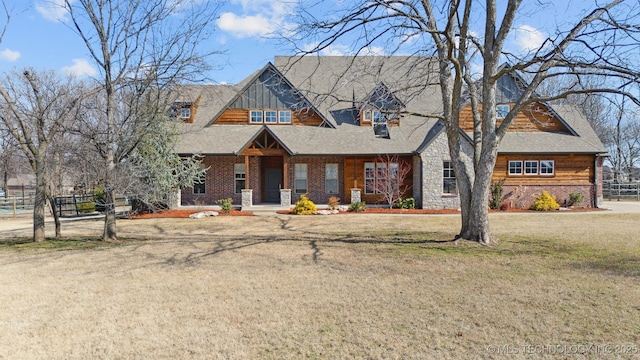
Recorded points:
38,36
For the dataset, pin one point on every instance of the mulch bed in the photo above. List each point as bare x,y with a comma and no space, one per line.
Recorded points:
177,214
181,214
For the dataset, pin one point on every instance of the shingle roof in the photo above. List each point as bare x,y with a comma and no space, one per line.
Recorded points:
586,140
334,85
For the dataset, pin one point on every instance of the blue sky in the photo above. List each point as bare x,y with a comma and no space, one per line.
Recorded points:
37,36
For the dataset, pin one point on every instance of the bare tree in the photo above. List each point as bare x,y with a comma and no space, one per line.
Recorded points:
463,35
36,106
391,173
623,140
142,48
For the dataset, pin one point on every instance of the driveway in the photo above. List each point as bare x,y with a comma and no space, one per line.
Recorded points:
622,207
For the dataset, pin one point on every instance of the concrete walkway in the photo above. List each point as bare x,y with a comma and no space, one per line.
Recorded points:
623,207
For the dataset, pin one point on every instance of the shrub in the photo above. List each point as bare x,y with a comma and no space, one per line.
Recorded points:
496,194
357,206
225,204
545,202
576,198
334,202
304,206
86,207
406,203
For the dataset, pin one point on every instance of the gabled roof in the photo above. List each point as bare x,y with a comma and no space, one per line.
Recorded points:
329,85
582,140
332,82
381,97
271,71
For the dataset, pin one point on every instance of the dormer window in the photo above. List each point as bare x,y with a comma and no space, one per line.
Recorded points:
378,117
185,113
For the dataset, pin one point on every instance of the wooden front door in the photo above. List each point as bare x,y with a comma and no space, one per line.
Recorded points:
273,184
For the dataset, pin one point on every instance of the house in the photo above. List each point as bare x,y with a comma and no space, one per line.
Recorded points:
334,126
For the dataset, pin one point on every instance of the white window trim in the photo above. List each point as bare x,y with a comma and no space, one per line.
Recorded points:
280,112
239,169
251,112
448,177
367,116
296,178
373,168
553,168
336,179
513,173
275,119
524,167
188,113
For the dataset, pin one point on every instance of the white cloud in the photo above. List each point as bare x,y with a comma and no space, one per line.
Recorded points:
245,26
53,10
9,55
258,18
528,38
80,67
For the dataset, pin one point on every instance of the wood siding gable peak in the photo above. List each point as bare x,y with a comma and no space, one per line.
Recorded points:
270,68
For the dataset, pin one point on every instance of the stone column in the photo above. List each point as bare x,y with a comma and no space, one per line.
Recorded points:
285,198
247,198
355,195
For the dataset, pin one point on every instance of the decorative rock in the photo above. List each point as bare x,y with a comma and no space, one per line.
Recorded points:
326,212
200,215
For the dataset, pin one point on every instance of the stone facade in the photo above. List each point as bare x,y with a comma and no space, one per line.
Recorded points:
431,175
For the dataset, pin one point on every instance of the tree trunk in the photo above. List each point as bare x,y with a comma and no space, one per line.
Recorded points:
56,217
475,210
40,201
110,232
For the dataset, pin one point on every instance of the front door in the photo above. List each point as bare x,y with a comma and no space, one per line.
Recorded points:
273,183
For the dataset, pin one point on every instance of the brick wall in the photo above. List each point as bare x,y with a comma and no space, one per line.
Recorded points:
219,182
219,179
315,177
523,196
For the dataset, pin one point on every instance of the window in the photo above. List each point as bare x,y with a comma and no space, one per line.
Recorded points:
381,177
199,187
284,117
185,113
531,167
256,116
515,167
300,178
448,178
546,167
367,116
378,117
331,178
502,111
270,116
369,178
240,177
